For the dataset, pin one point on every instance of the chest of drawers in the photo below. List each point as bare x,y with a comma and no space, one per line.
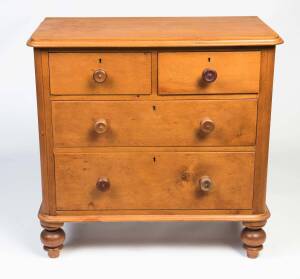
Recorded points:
154,119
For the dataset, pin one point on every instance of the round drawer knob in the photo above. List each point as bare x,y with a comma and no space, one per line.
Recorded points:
209,75
207,125
103,184
205,183
101,126
99,76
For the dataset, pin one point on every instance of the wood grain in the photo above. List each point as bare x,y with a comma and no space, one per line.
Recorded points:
42,130
152,97
141,180
117,149
45,130
153,32
263,129
127,73
48,131
181,72
156,216
154,123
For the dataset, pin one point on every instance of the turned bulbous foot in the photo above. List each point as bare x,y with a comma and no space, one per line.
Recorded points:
53,238
253,237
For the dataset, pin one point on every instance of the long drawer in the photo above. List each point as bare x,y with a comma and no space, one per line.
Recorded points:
154,123
154,180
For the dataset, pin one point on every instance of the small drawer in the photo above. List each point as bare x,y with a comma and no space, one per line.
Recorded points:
154,180
208,72
100,73
154,123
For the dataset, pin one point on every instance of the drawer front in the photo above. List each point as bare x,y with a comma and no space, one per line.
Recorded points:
154,123
154,180
100,73
194,72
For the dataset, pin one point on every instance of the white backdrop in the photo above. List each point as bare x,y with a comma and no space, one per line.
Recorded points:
177,250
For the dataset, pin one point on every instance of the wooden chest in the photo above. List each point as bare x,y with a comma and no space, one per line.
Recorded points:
154,119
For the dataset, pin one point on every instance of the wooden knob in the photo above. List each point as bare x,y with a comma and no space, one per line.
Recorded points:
207,125
209,75
99,76
100,126
103,184
205,183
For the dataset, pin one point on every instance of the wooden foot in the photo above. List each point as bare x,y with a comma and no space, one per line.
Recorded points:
53,238
253,237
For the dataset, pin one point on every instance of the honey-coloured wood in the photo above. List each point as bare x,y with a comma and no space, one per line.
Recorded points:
43,139
154,180
263,129
45,130
155,123
154,32
154,119
156,216
93,73
208,72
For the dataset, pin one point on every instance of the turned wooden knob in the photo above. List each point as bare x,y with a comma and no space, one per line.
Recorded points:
99,76
209,75
103,184
100,126
207,126
205,183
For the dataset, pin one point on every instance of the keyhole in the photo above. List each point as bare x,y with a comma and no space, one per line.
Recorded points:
154,108
100,60
154,159
208,59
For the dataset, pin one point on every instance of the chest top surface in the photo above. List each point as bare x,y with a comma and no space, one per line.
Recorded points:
153,32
